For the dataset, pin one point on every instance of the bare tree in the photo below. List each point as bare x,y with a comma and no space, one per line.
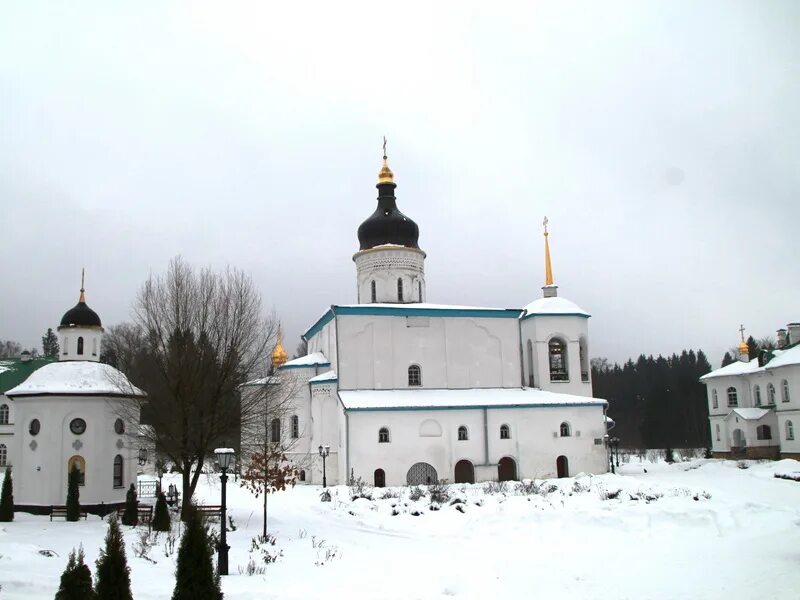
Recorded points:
271,435
204,335
9,349
302,348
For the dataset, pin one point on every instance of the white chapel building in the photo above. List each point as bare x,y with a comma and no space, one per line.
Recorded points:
754,405
407,392
74,412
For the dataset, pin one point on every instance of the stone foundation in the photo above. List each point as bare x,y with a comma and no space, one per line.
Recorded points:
755,453
794,455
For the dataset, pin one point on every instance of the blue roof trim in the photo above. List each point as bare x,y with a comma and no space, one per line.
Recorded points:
411,408
411,311
321,322
528,316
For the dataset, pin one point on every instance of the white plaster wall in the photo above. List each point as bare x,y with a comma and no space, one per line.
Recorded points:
452,352
385,265
7,430
68,343
532,444
724,442
540,330
40,475
325,341
786,444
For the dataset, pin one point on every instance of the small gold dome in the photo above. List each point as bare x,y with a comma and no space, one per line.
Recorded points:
386,175
743,348
279,355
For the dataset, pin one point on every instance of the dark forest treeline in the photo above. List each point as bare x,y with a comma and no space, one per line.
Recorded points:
656,402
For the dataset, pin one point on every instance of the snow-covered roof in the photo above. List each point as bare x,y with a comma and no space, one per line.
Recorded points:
553,306
79,377
324,377
309,360
781,358
749,414
419,305
422,399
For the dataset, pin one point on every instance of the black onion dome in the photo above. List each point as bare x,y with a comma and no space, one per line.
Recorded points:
80,316
387,225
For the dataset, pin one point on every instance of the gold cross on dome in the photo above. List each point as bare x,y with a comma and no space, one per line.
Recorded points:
384,147
741,331
545,222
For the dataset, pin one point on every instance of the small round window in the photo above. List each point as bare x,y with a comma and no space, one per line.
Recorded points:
77,426
119,427
34,427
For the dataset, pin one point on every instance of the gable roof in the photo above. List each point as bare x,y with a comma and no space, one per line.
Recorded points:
749,414
779,358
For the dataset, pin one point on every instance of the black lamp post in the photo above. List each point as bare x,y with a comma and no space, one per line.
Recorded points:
324,451
225,458
613,446
160,473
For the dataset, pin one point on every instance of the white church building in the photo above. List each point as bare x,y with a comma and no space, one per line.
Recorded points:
73,412
754,405
403,391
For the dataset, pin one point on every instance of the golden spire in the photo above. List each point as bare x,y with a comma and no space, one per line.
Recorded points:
386,175
743,347
279,355
83,297
548,269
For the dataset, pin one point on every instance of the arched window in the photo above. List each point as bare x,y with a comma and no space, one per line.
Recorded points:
383,435
505,432
732,397
3,414
379,478
275,429
94,347
785,391
583,355
771,394
463,434
789,430
565,429
118,471
717,431
414,375
530,363
302,476
399,289
558,360
714,402
80,463
295,426
763,432
80,345
757,395
374,291
3,455
65,345
419,283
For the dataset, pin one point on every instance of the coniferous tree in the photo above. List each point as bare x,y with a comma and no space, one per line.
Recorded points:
50,344
76,580
752,348
195,578
131,514
113,574
727,359
668,456
161,520
7,498
73,494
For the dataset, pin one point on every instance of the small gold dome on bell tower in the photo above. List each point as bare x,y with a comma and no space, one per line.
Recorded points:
386,175
279,355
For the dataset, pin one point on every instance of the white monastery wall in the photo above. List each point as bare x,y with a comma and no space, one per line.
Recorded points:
540,330
385,265
452,352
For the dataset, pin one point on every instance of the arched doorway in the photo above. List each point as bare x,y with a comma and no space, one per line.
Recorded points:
738,438
562,466
80,463
380,478
421,474
464,472
507,469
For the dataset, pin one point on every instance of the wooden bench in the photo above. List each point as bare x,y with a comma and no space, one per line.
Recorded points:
144,513
208,511
61,512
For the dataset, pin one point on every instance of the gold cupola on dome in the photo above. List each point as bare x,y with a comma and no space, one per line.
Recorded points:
386,175
279,355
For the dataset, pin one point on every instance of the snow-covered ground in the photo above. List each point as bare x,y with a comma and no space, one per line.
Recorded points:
700,529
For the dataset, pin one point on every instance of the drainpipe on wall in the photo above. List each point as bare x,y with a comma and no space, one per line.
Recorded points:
485,435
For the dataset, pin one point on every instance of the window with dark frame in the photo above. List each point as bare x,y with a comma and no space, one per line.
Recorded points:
505,432
414,375
463,435
383,435
118,471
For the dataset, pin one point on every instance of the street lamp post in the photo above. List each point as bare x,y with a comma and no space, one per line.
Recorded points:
324,451
613,446
225,458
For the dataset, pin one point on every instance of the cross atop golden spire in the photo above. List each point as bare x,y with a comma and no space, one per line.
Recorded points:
743,347
548,269
83,297
386,175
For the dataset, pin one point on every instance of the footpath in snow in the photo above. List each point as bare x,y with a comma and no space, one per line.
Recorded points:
699,529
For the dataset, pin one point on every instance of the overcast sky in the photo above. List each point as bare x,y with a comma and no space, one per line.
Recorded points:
661,139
